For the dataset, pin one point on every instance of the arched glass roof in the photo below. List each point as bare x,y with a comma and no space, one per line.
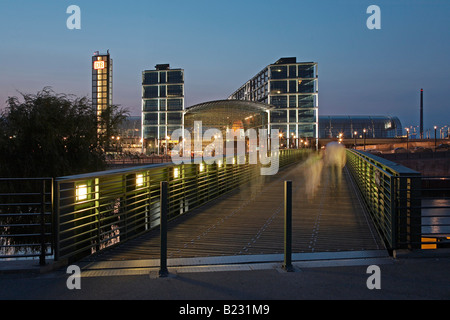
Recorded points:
228,114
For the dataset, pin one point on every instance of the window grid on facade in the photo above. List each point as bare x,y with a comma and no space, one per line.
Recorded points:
292,88
162,107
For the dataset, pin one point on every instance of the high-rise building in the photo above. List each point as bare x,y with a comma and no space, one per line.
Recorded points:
292,88
101,84
162,107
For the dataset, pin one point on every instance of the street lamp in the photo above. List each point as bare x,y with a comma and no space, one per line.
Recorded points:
407,139
291,141
435,127
354,135
364,138
167,144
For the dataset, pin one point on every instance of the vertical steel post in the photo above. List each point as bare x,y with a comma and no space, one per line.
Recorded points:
56,219
163,272
288,226
42,256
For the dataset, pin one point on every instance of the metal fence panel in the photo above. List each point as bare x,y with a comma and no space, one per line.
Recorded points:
26,218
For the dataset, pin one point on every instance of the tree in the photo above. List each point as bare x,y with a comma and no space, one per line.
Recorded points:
110,120
50,135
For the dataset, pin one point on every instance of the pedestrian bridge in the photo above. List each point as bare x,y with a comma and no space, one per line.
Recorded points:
229,210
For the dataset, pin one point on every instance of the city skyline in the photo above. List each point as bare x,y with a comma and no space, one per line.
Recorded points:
222,45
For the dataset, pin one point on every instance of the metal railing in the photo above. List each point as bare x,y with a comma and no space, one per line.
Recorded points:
96,210
26,218
392,195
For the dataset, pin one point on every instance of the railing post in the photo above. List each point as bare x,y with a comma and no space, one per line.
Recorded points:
56,220
288,226
163,272
42,256
393,212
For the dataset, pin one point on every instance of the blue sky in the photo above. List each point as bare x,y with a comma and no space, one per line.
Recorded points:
222,44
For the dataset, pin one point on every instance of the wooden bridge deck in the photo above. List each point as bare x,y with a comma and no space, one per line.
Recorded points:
249,220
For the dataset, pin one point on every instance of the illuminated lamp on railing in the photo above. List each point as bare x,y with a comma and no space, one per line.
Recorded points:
202,167
219,164
139,180
176,173
81,192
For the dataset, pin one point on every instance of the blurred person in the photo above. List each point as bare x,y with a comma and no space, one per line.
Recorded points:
335,159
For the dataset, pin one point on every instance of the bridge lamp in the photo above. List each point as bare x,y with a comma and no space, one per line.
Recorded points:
81,192
219,163
139,180
202,167
176,173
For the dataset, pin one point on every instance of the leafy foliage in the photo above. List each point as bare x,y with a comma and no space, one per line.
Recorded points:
49,135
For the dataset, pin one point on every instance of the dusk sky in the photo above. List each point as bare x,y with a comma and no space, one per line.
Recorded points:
222,44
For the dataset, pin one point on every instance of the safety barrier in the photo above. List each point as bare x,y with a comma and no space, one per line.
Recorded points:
26,218
96,210
392,194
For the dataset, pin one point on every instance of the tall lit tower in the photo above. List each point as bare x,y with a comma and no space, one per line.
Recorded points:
101,84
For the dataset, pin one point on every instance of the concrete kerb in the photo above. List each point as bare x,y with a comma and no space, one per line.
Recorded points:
226,263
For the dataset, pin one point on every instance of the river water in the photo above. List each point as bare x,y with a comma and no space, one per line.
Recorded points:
436,220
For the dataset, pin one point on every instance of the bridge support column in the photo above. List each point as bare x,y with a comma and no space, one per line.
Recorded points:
163,271
288,226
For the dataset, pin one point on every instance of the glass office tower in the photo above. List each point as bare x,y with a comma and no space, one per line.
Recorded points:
101,84
162,107
292,88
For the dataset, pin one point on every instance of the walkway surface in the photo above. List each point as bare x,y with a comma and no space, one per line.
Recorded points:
404,278
327,216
